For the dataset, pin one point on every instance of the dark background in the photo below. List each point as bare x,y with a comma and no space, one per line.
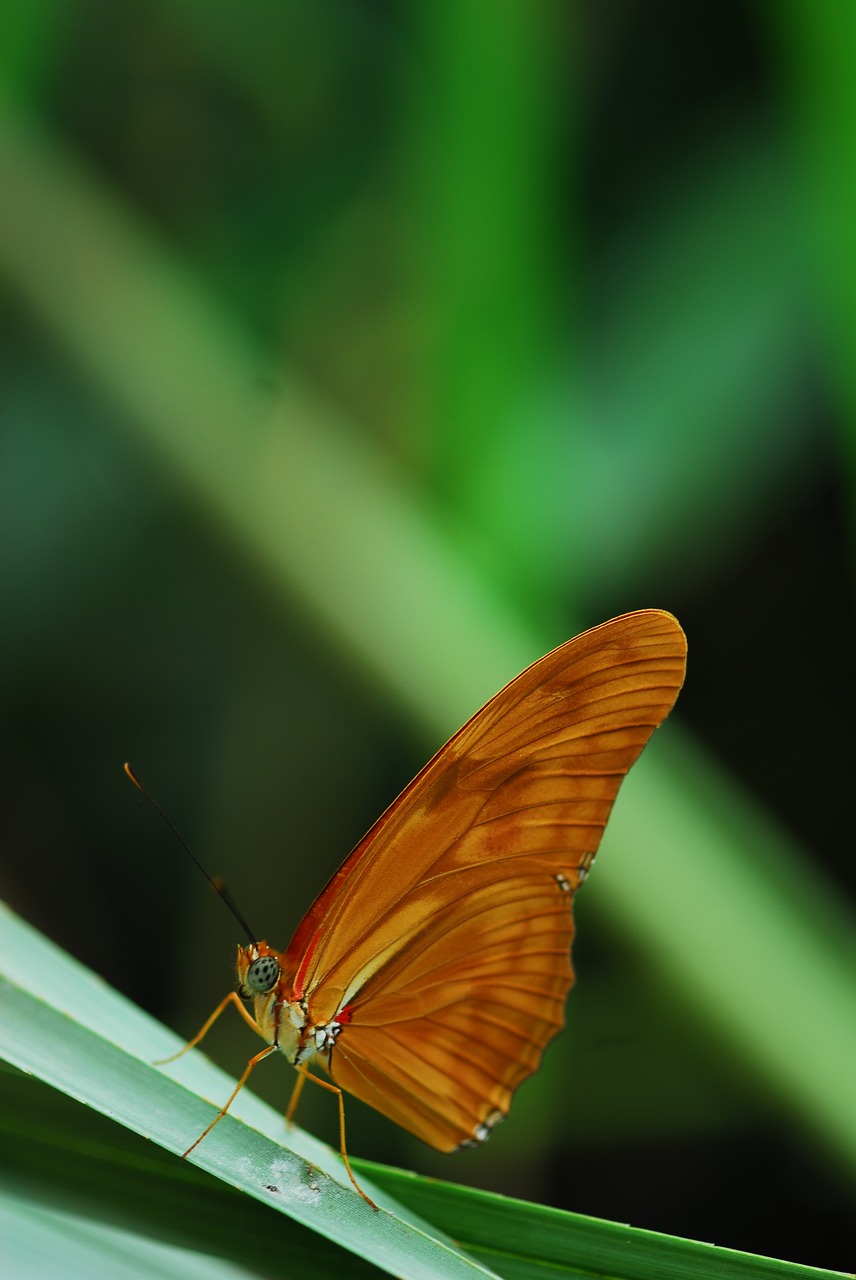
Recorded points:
579,283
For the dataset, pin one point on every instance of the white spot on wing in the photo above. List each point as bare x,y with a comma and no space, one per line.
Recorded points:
482,1131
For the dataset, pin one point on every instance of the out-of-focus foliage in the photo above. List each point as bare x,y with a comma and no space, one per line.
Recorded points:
352,355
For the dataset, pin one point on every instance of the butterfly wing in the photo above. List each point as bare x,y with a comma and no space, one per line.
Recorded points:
445,936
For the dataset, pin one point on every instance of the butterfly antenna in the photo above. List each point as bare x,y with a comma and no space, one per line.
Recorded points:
216,883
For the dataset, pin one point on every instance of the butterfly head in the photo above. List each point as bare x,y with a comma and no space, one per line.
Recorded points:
280,1018
258,970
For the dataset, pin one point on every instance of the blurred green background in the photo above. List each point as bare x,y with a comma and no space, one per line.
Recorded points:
353,355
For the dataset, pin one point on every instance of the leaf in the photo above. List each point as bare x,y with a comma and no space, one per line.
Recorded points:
534,1241
67,1166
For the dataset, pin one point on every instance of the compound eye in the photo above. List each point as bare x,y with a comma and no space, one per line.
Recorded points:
263,974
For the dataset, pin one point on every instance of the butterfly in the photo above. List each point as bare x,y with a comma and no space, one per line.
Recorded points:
430,973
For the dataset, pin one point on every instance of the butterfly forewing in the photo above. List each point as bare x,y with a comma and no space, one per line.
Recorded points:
446,934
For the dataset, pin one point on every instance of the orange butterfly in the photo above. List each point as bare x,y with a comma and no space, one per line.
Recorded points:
431,972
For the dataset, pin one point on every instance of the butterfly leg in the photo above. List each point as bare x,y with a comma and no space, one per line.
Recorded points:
331,1088
295,1096
231,998
253,1062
